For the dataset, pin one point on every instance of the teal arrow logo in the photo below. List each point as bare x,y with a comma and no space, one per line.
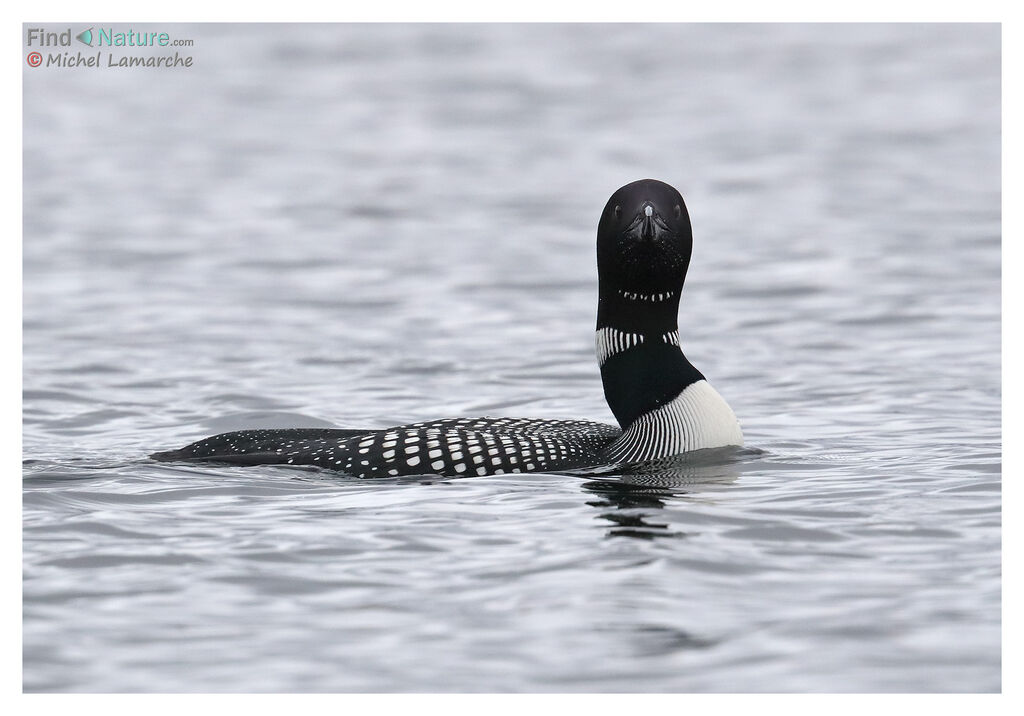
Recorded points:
85,37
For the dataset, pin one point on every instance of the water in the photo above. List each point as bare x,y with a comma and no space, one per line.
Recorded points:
367,226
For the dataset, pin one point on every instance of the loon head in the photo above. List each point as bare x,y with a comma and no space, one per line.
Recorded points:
644,241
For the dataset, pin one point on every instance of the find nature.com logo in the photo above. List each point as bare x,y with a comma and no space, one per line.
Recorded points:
101,37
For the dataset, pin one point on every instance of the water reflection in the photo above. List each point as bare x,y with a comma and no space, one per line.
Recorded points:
635,491
628,511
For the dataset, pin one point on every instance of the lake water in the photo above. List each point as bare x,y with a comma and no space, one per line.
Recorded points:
368,226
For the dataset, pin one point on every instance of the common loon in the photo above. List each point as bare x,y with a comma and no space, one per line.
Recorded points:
663,405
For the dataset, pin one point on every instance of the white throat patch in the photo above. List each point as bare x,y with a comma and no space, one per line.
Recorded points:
611,341
649,297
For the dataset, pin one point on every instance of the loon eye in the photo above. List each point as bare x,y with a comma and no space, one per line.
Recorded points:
617,211
678,211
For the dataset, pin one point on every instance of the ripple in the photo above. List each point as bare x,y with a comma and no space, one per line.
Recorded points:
103,561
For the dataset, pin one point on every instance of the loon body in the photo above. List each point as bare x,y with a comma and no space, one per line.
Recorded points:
664,406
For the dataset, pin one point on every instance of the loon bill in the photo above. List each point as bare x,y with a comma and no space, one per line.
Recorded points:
663,405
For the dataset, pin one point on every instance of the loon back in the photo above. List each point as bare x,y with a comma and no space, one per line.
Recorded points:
663,405
454,447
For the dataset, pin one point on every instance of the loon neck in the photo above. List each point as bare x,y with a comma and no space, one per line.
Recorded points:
642,366
650,312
